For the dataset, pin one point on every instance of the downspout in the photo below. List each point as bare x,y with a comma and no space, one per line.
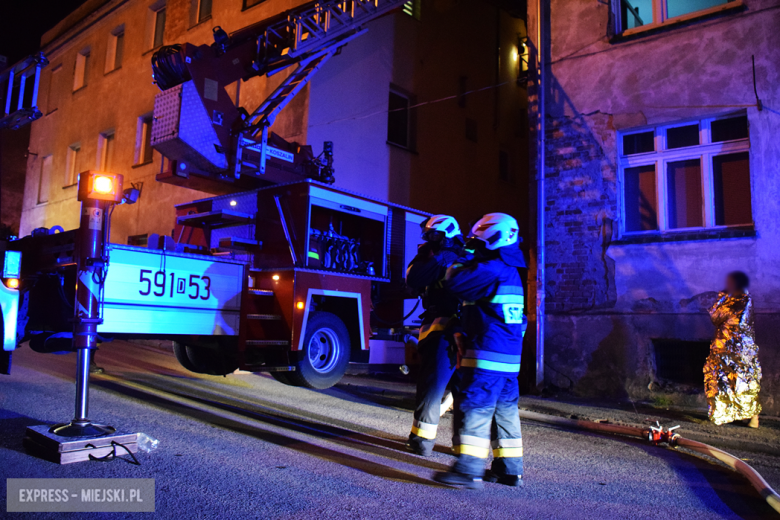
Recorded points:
540,198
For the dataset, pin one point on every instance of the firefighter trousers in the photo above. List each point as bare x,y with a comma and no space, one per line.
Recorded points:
486,417
437,366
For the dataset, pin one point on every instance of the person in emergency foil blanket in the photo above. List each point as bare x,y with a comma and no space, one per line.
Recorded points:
493,323
425,275
732,374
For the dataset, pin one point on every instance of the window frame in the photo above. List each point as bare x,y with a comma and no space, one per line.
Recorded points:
660,16
196,13
151,24
144,121
112,49
71,164
80,76
102,150
661,156
411,123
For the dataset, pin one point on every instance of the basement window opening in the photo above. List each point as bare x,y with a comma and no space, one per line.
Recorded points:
680,362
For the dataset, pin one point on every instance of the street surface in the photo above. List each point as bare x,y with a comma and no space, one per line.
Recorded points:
246,446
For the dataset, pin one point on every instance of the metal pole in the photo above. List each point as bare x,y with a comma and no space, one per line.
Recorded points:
540,196
89,250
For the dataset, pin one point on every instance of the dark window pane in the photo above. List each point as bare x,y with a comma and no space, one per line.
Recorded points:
683,185
681,7
731,180
681,136
120,50
640,199
680,361
148,150
205,10
635,13
159,28
638,143
398,120
729,129
250,3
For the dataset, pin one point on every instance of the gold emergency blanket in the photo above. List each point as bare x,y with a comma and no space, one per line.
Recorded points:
732,374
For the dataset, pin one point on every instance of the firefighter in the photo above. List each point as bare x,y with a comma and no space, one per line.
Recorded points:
425,275
493,323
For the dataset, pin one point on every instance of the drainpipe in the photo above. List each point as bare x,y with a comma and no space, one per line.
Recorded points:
540,197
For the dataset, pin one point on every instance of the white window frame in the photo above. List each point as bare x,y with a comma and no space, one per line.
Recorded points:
662,156
102,150
151,23
71,165
55,89
81,69
111,49
196,12
661,15
140,141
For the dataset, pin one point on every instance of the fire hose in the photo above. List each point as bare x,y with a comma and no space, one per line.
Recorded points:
657,435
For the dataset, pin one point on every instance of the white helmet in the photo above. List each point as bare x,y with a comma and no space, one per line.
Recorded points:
444,224
495,230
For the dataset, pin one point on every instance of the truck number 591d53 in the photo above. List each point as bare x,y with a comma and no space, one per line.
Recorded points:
163,284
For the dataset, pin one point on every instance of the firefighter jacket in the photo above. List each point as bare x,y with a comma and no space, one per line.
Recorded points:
492,313
425,275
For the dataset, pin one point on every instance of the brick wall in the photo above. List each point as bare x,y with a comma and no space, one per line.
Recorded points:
581,208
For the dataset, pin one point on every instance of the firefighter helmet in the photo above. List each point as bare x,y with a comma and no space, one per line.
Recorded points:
495,230
444,224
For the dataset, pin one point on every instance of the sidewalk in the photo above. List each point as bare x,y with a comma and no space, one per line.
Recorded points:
693,422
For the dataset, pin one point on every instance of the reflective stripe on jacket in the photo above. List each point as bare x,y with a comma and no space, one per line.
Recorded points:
492,314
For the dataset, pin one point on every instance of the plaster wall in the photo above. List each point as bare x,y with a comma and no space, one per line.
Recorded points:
609,297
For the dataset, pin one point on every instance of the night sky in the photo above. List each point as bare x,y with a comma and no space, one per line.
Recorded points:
24,21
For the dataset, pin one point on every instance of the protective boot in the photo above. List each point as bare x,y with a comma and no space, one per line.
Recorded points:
507,480
453,478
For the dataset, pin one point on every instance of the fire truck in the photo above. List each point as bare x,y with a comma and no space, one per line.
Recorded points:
280,271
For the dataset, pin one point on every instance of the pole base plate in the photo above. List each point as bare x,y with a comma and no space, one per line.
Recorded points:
40,441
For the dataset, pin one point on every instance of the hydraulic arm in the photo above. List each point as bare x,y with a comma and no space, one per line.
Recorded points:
198,125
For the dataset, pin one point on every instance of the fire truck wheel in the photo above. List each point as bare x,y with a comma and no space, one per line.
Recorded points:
283,377
180,351
325,354
203,360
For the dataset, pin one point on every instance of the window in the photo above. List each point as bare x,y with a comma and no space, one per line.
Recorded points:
106,143
45,180
155,26
683,176
143,140
81,70
71,164
54,89
413,8
200,11
115,49
399,123
630,14
252,3
679,361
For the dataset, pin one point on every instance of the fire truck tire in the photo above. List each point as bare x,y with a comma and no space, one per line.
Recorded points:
180,351
283,377
325,354
203,360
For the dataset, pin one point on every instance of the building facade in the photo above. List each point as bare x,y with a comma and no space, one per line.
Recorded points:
660,162
97,96
420,111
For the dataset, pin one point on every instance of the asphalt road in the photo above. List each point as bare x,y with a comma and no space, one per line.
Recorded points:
246,446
